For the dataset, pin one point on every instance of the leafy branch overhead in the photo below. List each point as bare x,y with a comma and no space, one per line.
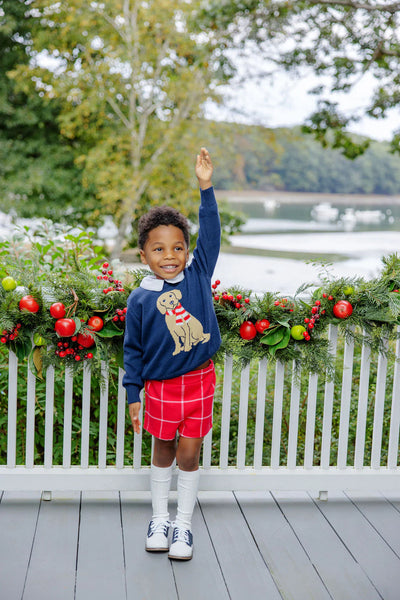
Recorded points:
343,42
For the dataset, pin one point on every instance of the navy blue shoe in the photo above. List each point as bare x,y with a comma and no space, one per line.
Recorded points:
157,536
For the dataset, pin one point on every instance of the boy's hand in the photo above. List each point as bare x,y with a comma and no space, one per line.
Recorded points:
204,169
134,410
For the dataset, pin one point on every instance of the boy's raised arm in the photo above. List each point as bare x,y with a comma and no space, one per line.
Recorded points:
204,169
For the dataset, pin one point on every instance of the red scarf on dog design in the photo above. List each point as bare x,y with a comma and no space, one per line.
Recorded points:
181,315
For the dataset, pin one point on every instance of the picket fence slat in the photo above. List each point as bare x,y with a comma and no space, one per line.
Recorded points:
243,414
103,417
294,417
260,412
347,380
226,411
207,447
49,418
362,407
85,428
12,410
277,415
121,412
328,403
393,450
30,418
310,423
67,433
379,406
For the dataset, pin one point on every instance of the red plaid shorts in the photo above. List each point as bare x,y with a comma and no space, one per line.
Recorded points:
183,404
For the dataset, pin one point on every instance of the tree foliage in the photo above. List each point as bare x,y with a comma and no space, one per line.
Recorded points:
127,76
37,170
341,41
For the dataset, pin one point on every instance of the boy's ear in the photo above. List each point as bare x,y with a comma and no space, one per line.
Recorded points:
143,257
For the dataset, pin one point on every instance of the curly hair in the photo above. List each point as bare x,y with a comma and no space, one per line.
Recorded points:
161,215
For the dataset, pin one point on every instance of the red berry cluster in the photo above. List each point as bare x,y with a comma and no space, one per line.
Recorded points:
235,301
9,336
119,315
284,303
72,348
316,313
107,275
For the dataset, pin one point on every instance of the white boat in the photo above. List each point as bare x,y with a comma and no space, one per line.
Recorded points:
369,216
270,204
324,213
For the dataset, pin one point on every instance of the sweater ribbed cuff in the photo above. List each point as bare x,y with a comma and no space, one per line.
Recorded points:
133,393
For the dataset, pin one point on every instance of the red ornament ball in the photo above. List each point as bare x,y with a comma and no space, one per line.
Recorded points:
342,309
247,330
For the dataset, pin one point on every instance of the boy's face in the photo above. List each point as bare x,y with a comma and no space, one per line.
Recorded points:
165,251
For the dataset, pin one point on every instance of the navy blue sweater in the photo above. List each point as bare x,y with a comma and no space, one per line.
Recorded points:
174,330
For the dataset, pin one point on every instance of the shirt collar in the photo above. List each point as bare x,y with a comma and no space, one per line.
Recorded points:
154,284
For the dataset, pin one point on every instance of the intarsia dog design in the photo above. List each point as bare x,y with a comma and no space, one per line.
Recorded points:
186,330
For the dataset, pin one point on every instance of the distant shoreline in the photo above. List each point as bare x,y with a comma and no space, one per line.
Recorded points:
250,196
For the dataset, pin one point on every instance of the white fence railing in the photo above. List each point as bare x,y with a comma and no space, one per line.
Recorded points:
273,429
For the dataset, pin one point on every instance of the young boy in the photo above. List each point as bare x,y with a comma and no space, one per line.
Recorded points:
171,335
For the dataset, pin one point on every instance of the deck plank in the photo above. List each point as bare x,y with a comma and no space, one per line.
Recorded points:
141,566
101,568
56,536
290,566
190,578
373,554
338,569
244,570
18,518
381,514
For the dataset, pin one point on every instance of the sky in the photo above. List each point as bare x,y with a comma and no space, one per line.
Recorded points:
284,101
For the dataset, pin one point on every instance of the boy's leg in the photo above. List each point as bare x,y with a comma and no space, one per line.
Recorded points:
160,479
187,457
160,476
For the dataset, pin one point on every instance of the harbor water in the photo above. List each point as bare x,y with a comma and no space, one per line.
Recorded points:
290,239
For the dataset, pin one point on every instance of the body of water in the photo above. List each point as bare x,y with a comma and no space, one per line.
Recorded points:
286,235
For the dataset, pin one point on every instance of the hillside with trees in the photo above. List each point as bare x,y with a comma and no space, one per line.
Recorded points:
251,157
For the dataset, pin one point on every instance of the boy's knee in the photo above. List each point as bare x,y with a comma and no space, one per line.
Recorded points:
188,464
164,452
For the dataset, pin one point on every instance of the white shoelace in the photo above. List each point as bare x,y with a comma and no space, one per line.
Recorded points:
159,527
182,535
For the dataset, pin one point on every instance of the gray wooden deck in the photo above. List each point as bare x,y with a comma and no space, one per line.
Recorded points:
257,545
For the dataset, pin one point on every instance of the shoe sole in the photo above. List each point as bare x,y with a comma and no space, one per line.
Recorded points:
180,557
156,549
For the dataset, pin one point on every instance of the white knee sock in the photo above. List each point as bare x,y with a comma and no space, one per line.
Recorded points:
160,478
188,485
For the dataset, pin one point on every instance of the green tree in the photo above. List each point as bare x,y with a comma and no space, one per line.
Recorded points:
129,77
37,170
340,40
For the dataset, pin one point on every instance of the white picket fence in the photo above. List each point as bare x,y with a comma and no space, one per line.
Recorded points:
230,472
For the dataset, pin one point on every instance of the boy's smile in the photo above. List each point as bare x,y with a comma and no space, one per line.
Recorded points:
165,251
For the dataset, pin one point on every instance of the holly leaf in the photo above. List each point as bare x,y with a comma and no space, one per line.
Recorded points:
22,349
284,323
37,361
78,324
273,336
110,330
119,357
282,344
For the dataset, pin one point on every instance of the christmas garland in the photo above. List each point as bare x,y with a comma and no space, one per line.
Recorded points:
75,313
